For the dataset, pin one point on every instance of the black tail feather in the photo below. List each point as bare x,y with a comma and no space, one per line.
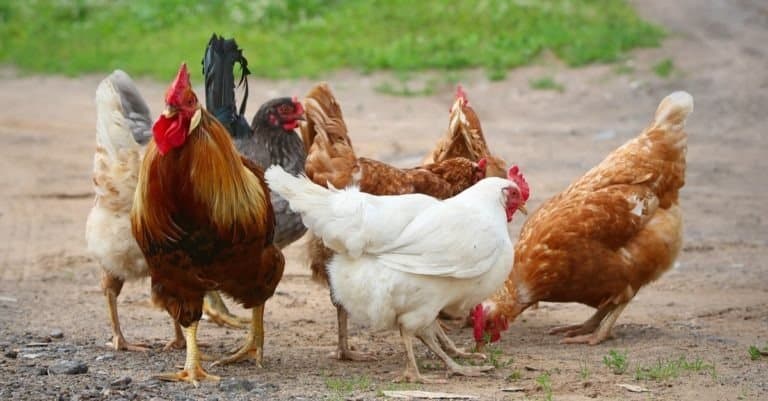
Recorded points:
218,69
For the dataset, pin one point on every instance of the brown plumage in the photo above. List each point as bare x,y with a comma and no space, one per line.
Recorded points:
608,234
203,220
332,160
464,138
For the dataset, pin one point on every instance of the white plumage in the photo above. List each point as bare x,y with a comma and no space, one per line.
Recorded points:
400,260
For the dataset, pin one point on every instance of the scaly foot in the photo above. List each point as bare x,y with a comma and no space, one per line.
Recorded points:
591,339
411,376
349,354
118,343
192,372
254,344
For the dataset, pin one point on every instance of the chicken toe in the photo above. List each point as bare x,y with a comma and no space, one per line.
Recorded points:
111,286
589,326
193,372
603,331
411,373
429,338
254,344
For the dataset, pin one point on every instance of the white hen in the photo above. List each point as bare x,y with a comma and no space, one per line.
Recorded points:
400,260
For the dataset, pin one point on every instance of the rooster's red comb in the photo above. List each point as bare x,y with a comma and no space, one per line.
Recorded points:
179,85
516,176
482,163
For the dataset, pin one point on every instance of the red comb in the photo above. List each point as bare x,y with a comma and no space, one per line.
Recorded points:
179,84
482,163
516,176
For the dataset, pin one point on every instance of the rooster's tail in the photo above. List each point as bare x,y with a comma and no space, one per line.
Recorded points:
218,64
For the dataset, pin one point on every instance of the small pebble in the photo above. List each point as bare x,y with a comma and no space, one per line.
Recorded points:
11,354
67,367
57,333
105,357
232,385
121,383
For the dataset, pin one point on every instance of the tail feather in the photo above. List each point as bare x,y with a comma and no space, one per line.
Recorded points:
673,111
218,68
324,117
122,115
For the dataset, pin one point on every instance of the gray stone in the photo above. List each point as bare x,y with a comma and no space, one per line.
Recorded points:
232,385
121,383
57,333
67,367
11,354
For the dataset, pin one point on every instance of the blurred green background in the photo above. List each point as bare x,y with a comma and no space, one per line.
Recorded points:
308,38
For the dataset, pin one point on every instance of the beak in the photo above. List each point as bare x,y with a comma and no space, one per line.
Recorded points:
523,209
301,117
169,111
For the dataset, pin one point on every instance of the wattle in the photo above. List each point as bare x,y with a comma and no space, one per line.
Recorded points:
170,133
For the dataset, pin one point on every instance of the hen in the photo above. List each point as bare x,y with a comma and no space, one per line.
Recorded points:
607,235
122,128
332,160
464,138
203,220
271,139
400,260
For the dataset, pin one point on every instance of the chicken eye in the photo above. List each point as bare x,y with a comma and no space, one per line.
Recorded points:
284,109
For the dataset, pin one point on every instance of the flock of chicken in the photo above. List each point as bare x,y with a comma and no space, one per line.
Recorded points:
203,202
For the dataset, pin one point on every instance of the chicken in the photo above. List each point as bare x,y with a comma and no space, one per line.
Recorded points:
270,139
611,232
400,260
122,128
332,160
203,220
465,138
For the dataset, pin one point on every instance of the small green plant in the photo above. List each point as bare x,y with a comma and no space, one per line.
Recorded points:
514,376
546,83
665,369
545,382
343,386
754,353
664,68
583,369
617,361
494,357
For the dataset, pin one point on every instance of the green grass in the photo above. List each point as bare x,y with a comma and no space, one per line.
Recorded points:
308,38
341,387
545,382
547,83
664,68
665,369
756,353
617,361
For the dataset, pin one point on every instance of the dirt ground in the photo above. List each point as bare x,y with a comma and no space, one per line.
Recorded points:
711,307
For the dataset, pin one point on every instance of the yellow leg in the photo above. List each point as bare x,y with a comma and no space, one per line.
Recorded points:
215,308
192,372
603,330
254,343
112,286
411,373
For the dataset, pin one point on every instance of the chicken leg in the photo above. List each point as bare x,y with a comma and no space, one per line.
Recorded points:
451,349
192,372
588,326
254,344
429,338
178,342
603,330
112,286
344,352
215,308
411,373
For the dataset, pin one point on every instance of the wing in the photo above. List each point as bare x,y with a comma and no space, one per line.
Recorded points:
447,241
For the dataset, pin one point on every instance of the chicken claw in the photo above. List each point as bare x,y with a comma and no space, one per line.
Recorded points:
216,310
254,344
344,351
192,372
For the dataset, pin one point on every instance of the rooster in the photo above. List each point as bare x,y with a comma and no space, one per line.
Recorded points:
465,138
331,160
611,232
400,260
270,139
203,220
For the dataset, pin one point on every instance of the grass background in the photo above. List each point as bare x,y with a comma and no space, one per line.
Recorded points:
308,38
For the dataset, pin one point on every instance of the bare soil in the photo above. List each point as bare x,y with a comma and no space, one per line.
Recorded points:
711,307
